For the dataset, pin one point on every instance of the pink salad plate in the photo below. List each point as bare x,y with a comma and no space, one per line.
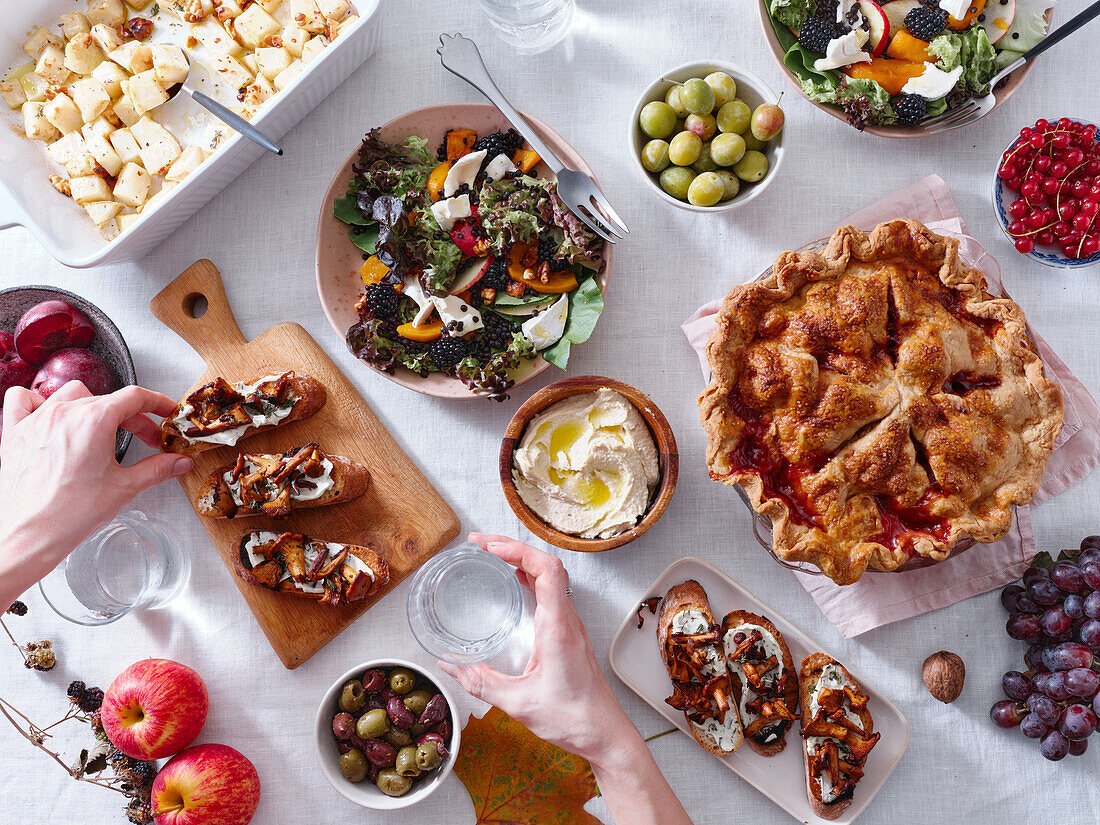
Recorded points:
338,259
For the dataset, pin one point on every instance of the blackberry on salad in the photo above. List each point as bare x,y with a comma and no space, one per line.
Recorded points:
473,266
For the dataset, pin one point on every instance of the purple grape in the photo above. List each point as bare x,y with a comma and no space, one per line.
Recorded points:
1091,573
1053,685
1044,707
1078,722
1089,634
1045,592
1074,606
1092,605
1054,746
1033,727
1017,685
1090,543
1068,655
1067,576
1006,714
1082,682
1035,574
1009,596
1096,704
1091,554
1055,622
1034,658
1026,604
1078,747
1024,626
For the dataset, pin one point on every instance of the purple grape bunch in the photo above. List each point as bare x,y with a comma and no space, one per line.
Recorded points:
1055,609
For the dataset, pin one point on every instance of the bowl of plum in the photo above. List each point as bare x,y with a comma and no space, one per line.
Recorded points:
385,734
50,336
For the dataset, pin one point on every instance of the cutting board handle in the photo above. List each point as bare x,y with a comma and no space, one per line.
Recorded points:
210,330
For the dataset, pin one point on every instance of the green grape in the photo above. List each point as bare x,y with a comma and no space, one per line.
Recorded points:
706,190
731,182
734,117
697,96
751,141
655,155
672,98
705,162
676,180
727,149
725,88
703,125
657,119
684,149
752,167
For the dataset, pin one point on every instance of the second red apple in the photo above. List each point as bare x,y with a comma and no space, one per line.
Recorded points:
154,708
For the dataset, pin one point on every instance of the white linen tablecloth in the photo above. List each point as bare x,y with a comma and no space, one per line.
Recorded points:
260,233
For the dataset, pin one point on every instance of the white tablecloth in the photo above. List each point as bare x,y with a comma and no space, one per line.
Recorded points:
260,233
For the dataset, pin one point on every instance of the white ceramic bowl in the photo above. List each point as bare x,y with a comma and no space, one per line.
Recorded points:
750,89
27,198
366,794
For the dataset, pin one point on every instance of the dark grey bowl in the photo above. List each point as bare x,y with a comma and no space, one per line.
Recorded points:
108,344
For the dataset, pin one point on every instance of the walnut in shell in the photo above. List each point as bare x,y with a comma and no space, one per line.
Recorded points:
944,674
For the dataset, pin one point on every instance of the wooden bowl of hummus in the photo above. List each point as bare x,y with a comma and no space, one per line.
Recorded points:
588,463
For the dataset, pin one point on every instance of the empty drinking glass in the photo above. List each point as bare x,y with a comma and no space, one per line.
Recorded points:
133,563
530,24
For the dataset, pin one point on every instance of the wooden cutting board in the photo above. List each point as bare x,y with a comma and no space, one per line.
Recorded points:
402,517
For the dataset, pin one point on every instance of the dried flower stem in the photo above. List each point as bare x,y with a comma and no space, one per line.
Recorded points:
18,646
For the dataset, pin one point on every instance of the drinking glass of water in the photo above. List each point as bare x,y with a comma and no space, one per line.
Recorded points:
465,605
530,24
133,563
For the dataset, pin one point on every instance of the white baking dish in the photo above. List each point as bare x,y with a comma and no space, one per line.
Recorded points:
27,198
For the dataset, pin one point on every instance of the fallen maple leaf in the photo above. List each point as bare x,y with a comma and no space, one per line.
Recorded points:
514,777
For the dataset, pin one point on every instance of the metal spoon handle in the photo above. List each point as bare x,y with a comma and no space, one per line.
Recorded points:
235,121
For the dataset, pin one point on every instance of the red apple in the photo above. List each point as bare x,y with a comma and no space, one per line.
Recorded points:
206,785
470,275
50,326
154,708
75,364
14,371
878,24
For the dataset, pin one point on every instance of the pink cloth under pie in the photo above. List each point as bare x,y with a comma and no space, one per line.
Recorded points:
881,598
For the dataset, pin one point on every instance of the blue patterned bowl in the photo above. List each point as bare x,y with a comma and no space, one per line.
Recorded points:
1003,198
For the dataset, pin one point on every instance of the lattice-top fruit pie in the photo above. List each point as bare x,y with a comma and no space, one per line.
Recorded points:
876,402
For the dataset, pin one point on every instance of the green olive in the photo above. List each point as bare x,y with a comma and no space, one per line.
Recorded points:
418,730
391,783
353,765
402,680
427,756
398,737
406,761
352,697
373,724
417,700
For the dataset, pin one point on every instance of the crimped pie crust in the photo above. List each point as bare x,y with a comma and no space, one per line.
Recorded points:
876,402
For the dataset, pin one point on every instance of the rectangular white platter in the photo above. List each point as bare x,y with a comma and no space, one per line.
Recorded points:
636,660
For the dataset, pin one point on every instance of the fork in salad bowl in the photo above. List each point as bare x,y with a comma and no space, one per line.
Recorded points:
981,106
460,56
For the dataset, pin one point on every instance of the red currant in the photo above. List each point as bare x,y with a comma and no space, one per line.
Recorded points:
1037,141
1024,245
1045,238
1042,163
1060,229
1089,206
1018,209
1017,228
1050,185
1080,188
1081,221
1090,246
1067,210
1093,167
1064,122
1059,169
1042,124
1007,171
1074,156
1029,188
1027,132
1036,219
1060,140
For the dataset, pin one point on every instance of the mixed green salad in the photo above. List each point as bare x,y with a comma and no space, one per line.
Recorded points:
472,265
897,62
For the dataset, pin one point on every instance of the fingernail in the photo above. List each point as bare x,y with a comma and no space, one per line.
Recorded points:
183,465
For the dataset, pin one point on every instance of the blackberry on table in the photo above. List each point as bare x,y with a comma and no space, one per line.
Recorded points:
17,609
381,300
499,143
447,351
76,691
816,34
926,22
910,109
91,700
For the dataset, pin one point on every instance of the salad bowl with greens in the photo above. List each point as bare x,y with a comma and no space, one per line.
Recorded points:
446,260
886,66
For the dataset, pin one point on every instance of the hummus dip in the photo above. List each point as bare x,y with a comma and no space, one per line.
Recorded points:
587,465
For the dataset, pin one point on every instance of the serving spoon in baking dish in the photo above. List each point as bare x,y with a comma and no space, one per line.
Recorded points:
226,116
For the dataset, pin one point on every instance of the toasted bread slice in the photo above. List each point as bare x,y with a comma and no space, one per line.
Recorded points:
808,677
690,597
308,396
216,497
347,582
772,737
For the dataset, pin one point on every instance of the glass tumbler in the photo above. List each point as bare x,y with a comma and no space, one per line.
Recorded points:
133,563
530,25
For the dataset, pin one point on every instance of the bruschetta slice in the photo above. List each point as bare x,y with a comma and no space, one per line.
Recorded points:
765,683
692,652
274,484
220,414
837,733
295,564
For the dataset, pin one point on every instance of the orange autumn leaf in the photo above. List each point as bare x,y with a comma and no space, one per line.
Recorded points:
515,778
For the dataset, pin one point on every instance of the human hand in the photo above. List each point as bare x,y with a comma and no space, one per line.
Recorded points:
562,696
59,481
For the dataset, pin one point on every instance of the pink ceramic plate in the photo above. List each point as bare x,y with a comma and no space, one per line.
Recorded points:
338,259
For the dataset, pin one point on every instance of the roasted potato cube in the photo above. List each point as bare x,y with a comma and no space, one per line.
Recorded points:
125,145
254,26
308,15
82,165
34,86
102,211
82,54
133,56
124,107
258,91
138,5
64,149
12,92
169,63
74,23
111,75
63,113
271,61
313,48
185,164
108,12
126,219
100,148
270,5
132,187
289,75
108,38
346,24
51,65
215,38
88,188
100,126
294,37
158,147
35,123
233,72
334,9
38,41
90,97
146,93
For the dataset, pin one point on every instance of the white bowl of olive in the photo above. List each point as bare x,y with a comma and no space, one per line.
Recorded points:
385,734
707,137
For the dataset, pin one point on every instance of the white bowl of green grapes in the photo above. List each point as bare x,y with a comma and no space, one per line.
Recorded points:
708,136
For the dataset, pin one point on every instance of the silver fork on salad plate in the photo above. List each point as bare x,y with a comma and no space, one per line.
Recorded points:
981,106
579,193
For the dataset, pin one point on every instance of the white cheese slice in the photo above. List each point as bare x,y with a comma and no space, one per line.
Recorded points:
454,310
844,51
463,172
934,83
416,292
451,210
956,8
499,166
546,328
